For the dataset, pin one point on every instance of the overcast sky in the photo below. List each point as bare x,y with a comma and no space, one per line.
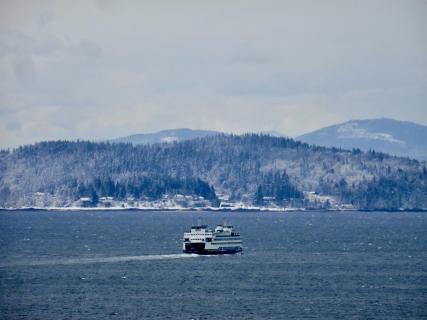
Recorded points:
103,68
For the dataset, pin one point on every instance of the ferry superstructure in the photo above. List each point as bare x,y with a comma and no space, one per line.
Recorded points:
203,240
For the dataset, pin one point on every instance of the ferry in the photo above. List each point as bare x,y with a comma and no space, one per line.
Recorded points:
202,240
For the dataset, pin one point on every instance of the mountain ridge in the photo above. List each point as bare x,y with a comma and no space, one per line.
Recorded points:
167,136
395,137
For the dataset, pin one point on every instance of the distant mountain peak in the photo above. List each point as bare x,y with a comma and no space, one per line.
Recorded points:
401,138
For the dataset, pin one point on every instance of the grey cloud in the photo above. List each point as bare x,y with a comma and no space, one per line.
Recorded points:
24,68
45,18
107,6
111,68
13,126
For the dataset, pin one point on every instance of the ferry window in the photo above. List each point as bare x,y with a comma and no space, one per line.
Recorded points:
208,239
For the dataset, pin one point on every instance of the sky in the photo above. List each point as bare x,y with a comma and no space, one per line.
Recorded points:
102,69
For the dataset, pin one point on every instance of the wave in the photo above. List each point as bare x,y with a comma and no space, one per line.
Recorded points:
72,261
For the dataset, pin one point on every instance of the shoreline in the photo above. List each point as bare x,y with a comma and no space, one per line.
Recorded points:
208,209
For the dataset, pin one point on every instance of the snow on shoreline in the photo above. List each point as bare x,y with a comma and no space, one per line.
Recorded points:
180,209
206,209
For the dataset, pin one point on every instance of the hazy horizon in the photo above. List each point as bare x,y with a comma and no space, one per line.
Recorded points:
105,69
264,131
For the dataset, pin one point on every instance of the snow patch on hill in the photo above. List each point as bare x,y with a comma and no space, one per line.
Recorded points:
353,131
169,139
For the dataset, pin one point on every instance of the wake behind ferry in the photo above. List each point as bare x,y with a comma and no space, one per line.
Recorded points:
203,240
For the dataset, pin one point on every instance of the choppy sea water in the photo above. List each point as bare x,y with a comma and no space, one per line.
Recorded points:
129,265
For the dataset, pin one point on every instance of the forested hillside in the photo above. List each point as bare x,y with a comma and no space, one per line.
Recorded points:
248,168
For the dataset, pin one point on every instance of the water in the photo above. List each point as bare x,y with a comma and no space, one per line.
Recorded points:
129,265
